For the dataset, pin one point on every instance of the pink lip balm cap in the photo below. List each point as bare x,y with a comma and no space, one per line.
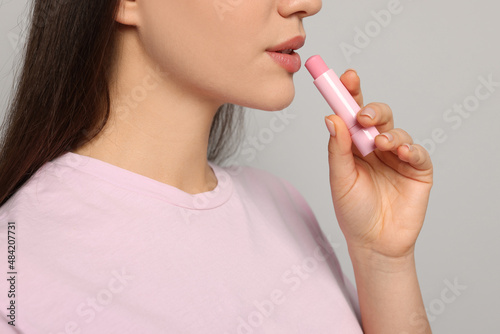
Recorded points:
316,66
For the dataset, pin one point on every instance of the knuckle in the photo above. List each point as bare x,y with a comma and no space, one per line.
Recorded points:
417,158
383,110
404,135
421,150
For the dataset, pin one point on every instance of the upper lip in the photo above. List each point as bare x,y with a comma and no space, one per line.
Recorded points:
292,44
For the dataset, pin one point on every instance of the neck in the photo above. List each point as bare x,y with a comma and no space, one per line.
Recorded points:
156,128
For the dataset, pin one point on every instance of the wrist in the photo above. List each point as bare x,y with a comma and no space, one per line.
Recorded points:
376,261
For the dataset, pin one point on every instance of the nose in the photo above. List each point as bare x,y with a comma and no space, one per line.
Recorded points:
301,8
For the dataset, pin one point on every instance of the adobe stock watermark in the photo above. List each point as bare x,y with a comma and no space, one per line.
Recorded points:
249,150
455,115
203,200
224,6
53,168
89,309
449,294
257,143
293,278
372,29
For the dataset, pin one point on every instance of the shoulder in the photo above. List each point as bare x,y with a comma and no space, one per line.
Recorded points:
264,185
255,179
267,187
45,189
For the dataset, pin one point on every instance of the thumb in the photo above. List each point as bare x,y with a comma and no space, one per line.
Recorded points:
343,171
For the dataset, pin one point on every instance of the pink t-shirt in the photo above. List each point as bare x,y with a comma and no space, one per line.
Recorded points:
100,249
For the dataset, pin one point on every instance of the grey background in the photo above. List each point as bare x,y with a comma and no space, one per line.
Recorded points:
426,60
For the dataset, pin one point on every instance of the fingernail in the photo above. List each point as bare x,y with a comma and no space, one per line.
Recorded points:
410,147
330,126
387,135
368,112
351,69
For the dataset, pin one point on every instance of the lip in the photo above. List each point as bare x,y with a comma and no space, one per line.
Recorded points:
290,62
294,44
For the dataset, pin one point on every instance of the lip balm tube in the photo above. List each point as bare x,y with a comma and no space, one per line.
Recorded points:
342,103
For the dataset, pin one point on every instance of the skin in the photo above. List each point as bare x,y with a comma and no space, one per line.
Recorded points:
380,200
165,137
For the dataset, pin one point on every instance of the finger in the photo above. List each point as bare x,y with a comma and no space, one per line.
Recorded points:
351,81
390,140
378,114
340,158
415,155
410,160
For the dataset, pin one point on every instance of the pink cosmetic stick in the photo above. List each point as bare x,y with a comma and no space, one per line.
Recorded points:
342,103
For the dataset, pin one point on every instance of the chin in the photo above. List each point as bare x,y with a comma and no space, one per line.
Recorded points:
277,107
272,99
278,103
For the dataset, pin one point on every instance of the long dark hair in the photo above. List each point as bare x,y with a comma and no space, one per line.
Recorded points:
61,98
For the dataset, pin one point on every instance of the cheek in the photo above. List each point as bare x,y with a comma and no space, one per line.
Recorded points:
188,41
199,29
223,59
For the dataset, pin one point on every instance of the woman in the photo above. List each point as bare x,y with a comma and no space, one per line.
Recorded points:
125,223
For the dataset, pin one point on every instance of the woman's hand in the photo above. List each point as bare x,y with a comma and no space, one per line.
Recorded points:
380,200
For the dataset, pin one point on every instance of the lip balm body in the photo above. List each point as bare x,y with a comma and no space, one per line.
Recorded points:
342,103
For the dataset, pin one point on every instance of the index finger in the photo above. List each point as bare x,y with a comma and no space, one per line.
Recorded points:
351,81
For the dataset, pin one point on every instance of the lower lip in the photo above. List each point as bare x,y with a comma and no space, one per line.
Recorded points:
290,62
